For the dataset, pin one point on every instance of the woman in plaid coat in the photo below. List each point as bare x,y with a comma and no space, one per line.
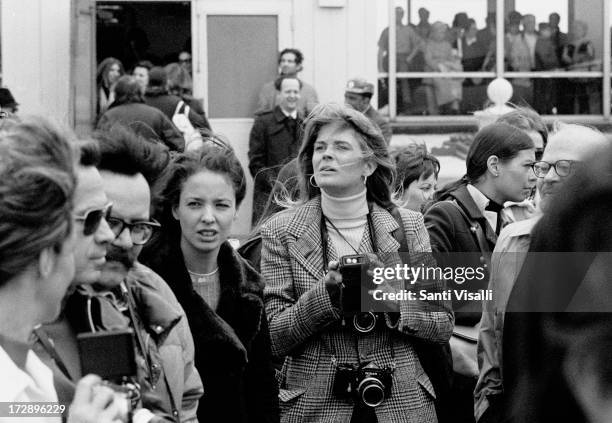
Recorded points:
346,174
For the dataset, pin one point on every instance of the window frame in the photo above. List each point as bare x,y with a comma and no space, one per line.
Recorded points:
392,75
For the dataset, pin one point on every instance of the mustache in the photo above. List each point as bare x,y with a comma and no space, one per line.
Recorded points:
120,255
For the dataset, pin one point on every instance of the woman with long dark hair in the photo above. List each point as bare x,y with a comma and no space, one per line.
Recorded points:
108,73
220,292
344,209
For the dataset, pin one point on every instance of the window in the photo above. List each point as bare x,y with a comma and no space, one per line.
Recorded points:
437,57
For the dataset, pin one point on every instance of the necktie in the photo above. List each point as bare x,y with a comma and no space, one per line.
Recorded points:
291,126
497,208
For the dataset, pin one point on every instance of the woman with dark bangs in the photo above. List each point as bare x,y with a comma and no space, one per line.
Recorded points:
220,292
417,176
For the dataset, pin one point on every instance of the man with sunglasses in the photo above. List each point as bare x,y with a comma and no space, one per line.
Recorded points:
567,148
114,291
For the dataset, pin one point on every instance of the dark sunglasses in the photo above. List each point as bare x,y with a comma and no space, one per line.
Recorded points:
92,219
140,232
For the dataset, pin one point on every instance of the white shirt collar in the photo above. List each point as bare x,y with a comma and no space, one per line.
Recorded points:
482,201
293,114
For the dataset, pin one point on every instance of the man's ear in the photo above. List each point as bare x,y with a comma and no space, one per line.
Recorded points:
493,165
299,68
46,262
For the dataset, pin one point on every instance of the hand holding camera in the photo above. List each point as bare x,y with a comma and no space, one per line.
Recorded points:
95,403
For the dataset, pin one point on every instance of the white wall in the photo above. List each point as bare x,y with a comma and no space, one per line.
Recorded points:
36,55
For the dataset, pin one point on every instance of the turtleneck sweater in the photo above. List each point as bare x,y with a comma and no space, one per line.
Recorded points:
349,215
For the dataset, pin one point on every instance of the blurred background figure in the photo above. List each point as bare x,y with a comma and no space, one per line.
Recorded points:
184,59
409,44
107,75
8,103
357,94
443,95
141,73
289,63
129,109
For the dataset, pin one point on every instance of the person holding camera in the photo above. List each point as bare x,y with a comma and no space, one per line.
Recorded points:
353,367
37,242
220,292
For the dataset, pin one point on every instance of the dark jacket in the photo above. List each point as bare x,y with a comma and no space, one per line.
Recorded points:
234,390
450,232
167,103
146,121
272,143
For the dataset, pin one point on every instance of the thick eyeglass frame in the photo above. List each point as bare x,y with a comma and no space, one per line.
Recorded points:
92,218
541,174
118,226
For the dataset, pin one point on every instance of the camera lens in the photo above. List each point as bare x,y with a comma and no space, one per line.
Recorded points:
364,322
371,391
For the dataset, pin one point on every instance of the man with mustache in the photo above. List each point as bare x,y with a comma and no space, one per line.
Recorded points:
171,384
570,146
121,293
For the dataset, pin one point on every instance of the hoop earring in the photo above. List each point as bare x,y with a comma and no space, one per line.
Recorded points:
365,178
311,179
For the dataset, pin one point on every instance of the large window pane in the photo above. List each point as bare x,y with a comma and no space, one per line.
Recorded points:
439,39
556,36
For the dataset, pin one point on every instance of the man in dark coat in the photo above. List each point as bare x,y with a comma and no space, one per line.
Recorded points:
274,140
357,94
129,109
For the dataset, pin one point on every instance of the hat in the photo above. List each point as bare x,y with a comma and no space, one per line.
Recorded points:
7,99
158,77
359,86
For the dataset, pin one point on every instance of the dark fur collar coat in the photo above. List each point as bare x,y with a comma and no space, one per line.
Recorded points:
232,344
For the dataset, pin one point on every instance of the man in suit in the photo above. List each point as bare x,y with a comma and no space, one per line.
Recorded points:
274,140
357,94
289,63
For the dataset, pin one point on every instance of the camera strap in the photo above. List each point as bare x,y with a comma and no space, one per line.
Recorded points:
324,247
324,236
47,344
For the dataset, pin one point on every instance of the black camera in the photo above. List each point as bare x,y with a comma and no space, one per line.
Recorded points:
363,384
111,355
356,284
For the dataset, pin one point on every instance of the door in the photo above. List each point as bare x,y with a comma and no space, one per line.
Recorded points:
236,45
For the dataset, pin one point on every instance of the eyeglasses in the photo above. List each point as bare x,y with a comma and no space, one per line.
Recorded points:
140,232
92,219
562,167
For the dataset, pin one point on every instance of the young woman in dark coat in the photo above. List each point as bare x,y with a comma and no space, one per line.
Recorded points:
468,220
199,198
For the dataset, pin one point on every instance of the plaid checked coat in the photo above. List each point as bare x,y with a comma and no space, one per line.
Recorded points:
301,319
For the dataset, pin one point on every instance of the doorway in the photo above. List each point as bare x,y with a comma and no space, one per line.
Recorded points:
132,31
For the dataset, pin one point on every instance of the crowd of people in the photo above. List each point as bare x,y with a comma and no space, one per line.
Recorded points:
528,46
123,299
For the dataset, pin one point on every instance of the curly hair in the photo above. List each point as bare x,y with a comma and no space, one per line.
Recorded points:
37,182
